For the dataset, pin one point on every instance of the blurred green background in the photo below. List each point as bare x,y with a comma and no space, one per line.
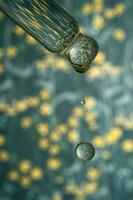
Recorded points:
42,120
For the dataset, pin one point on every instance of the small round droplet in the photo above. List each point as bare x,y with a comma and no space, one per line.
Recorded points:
84,151
83,102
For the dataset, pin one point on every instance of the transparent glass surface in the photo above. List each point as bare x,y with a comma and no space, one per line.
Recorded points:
45,20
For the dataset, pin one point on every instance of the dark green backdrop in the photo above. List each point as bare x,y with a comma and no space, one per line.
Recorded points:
42,120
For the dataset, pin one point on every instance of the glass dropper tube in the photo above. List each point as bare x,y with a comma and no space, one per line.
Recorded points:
54,28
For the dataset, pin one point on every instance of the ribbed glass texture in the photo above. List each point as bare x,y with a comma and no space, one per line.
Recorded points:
45,20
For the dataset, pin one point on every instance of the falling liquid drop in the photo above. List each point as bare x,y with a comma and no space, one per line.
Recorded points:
83,102
84,151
